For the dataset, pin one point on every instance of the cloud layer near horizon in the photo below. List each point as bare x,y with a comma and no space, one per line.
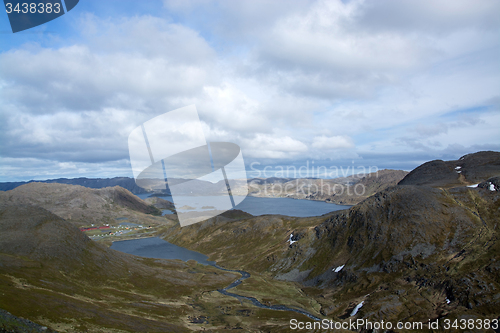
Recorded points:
384,83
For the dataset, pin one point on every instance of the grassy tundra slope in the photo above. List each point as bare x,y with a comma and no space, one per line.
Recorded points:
53,274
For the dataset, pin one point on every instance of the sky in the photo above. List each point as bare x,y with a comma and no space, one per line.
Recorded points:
384,84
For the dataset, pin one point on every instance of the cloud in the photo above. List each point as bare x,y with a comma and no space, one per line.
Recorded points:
430,16
329,51
333,142
148,36
139,62
396,78
274,147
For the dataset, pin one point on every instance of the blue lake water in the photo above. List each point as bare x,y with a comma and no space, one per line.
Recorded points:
258,206
154,247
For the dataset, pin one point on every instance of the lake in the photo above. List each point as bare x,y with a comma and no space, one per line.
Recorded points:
256,205
154,247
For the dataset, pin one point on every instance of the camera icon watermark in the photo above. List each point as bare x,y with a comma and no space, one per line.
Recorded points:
169,153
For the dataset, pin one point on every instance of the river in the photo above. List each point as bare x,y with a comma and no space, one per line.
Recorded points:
154,247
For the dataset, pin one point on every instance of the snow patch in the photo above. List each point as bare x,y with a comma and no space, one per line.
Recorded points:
290,240
448,301
475,185
356,309
492,187
338,269
459,171
458,168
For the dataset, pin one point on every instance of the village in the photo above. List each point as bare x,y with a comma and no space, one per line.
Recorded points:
106,230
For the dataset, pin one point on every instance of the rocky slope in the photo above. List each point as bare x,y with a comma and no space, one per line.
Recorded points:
342,191
160,203
410,253
467,170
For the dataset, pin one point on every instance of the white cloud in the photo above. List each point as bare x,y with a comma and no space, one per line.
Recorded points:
333,142
395,77
275,147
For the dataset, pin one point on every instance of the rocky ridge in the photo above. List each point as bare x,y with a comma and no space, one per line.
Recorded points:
468,169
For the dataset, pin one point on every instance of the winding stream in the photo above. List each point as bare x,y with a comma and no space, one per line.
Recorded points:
154,247
256,302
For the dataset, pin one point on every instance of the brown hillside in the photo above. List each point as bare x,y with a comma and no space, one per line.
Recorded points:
469,169
82,205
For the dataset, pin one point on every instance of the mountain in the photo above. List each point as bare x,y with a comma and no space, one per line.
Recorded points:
53,274
342,191
125,182
409,253
467,170
82,205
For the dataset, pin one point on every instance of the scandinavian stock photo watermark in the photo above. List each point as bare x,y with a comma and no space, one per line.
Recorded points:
309,180
169,154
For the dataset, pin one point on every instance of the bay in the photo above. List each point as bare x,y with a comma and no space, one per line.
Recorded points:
257,205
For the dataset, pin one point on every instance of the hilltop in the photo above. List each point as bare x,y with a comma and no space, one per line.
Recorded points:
125,182
81,205
467,170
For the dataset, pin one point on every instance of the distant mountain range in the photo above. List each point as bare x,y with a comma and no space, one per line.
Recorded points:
125,182
343,191
82,205
469,169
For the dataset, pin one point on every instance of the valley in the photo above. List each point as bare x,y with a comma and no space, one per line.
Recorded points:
411,252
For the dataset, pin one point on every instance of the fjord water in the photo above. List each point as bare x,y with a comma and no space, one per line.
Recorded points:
259,206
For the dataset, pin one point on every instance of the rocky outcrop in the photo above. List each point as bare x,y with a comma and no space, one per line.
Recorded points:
160,203
468,169
13,324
